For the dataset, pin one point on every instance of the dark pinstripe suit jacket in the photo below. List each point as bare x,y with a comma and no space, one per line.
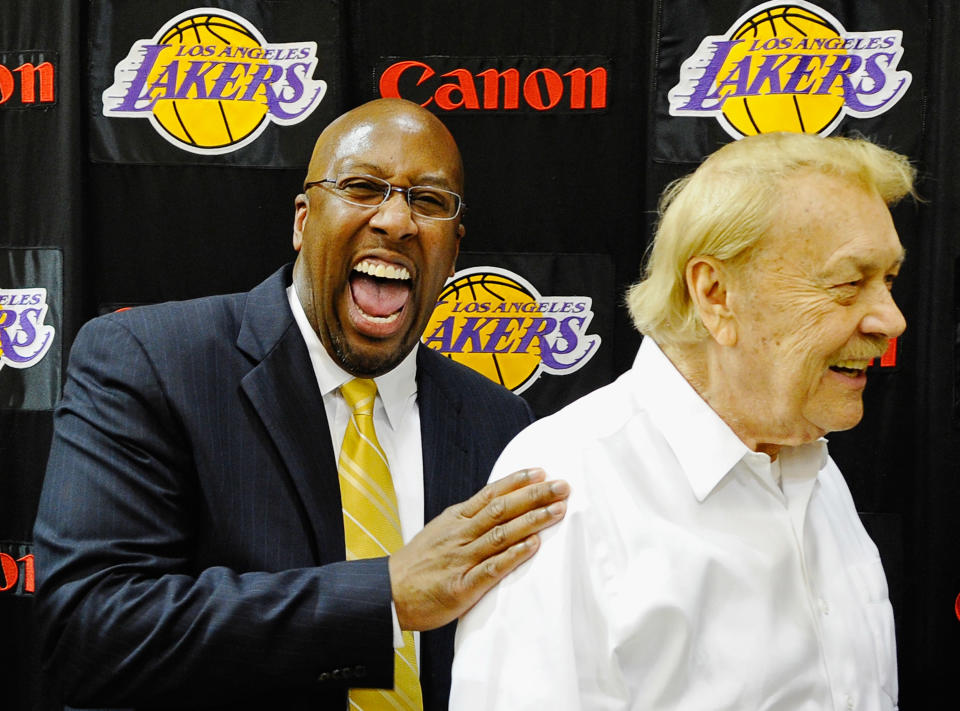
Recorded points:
189,543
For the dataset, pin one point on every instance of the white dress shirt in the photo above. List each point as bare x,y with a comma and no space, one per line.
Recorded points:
396,419
690,573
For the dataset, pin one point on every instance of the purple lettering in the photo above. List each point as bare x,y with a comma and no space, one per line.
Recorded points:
167,81
737,78
570,330
471,332
538,328
501,331
295,85
802,71
134,93
878,76
228,77
442,335
264,76
703,91
195,77
769,71
842,66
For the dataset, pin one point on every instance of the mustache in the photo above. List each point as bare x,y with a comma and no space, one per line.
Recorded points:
870,349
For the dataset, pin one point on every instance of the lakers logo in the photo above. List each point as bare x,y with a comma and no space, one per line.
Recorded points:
24,337
210,83
495,322
790,66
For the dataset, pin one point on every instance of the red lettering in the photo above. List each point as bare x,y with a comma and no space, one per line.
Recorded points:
390,80
578,88
466,88
29,574
889,359
491,88
554,86
542,89
6,84
28,82
10,571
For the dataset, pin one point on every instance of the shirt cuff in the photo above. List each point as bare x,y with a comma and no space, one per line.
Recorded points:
397,632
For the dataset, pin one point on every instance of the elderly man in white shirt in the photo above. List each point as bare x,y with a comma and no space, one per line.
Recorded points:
712,558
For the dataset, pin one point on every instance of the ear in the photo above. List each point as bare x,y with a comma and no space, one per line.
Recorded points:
301,208
708,283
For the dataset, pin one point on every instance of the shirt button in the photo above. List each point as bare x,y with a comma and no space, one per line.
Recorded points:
849,703
825,609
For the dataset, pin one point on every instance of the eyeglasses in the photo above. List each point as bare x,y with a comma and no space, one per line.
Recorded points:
369,191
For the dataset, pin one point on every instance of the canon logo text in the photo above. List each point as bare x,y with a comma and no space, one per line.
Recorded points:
24,84
476,84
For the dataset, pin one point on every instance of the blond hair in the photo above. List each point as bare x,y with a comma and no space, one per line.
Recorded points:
724,207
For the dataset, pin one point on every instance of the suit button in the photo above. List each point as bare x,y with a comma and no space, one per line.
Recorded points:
359,671
324,676
336,673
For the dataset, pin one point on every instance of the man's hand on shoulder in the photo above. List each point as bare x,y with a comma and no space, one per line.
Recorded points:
472,546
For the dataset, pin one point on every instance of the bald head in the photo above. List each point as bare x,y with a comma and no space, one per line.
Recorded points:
352,132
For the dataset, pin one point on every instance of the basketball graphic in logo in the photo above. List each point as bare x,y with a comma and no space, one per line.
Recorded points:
790,66
771,32
472,300
209,122
210,83
496,322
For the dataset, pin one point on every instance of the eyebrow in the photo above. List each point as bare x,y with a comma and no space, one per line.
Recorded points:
863,265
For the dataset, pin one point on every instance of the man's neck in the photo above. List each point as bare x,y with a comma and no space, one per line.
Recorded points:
701,366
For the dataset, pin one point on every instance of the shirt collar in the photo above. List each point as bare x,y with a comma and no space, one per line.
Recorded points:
395,387
704,445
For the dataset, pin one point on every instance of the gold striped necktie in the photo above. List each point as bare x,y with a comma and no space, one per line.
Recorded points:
371,526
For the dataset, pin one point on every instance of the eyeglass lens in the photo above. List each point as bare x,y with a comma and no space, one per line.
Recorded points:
427,201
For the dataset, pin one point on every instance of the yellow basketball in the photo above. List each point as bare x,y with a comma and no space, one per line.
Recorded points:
207,122
491,297
797,112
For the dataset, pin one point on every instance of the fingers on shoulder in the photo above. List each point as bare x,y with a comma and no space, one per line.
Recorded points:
494,568
496,489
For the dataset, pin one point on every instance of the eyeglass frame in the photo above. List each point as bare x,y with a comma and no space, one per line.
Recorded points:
461,209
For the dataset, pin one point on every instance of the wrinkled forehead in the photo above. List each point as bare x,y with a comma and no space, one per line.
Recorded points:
825,218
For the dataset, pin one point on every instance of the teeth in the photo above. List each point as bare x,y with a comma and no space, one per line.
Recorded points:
384,271
852,368
853,364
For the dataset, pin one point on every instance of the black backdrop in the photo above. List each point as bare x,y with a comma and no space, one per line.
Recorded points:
168,225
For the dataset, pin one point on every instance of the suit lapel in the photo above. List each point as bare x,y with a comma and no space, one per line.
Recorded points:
446,456
283,390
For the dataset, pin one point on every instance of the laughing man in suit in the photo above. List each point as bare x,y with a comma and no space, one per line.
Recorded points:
190,541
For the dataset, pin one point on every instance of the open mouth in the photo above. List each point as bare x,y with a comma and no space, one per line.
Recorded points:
380,290
851,368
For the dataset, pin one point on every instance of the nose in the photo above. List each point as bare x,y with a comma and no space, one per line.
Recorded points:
394,218
884,316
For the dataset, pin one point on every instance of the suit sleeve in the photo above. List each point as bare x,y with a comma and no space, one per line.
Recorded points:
125,616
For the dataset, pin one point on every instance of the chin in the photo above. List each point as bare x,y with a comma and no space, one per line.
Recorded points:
368,362
840,422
